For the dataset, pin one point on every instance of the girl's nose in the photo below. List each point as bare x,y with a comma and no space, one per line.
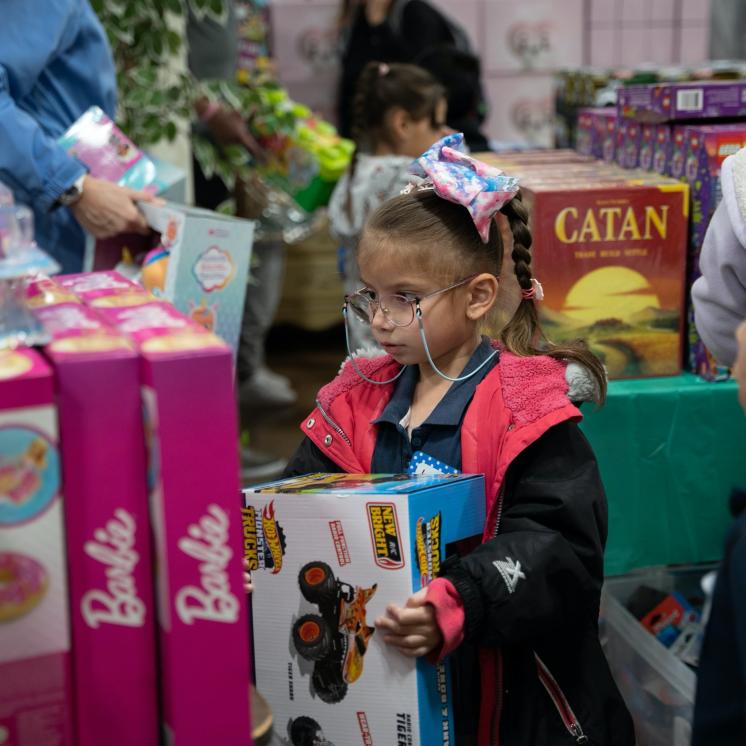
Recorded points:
381,320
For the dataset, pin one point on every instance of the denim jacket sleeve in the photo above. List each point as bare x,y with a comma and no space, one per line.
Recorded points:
35,167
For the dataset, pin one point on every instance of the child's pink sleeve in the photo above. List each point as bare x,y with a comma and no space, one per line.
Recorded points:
449,615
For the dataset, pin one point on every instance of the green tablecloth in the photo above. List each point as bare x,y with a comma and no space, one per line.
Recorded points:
670,451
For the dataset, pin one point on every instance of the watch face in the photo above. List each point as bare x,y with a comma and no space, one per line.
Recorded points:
69,196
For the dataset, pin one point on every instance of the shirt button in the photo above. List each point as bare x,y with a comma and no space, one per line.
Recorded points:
328,440
311,422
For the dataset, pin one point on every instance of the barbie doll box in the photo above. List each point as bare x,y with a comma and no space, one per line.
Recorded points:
35,686
328,553
612,256
186,375
112,600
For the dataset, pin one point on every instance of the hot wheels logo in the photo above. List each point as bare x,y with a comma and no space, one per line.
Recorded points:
264,538
273,538
384,533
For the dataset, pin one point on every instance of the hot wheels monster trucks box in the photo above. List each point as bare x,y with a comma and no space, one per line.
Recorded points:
329,552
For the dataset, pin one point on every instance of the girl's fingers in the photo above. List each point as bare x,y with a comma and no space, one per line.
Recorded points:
410,616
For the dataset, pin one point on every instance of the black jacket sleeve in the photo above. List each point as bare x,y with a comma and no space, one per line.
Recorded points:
544,569
309,459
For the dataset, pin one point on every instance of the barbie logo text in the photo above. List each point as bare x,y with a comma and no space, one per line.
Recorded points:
208,543
119,603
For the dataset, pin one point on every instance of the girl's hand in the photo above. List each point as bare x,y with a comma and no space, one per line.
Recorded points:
411,628
247,583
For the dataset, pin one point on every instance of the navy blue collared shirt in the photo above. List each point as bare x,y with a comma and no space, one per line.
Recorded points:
440,435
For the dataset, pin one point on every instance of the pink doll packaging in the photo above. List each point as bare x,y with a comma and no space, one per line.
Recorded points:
190,426
112,598
35,685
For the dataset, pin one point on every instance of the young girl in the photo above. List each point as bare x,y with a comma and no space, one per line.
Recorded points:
518,615
399,112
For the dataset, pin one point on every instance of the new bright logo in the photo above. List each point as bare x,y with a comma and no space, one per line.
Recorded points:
263,538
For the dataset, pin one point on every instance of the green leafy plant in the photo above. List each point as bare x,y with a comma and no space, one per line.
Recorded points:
143,38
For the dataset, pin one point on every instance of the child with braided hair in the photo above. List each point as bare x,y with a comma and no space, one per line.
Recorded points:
399,112
518,615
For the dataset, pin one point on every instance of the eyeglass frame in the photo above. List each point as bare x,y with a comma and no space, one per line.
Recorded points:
414,303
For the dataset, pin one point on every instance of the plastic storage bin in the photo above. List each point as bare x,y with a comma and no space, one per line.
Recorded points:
657,687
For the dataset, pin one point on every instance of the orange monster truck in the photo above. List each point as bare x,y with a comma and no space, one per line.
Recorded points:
337,639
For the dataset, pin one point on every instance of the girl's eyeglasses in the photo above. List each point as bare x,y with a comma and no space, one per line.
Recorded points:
398,308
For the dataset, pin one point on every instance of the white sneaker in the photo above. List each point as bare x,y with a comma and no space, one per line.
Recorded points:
266,374
263,391
257,466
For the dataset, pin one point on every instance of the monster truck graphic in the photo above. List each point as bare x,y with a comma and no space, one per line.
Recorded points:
305,731
337,640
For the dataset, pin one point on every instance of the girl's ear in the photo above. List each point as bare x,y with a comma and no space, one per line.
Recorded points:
482,296
397,123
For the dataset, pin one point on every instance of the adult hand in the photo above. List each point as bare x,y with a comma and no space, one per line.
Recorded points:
739,367
228,127
376,11
412,629
106,209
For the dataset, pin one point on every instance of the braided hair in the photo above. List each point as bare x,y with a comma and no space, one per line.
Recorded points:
421,220
380,88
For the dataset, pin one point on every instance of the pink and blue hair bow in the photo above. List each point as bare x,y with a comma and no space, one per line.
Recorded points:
457,177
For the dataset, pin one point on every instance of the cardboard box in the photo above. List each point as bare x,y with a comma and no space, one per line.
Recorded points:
677,158
707,147
662,149
328,553
647,147
208,265
613,255
35,687
112,598
670,102
629,138
186,375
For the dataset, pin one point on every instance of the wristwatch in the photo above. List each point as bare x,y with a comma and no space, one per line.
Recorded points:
71,195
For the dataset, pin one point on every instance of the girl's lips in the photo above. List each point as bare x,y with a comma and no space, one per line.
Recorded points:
390,347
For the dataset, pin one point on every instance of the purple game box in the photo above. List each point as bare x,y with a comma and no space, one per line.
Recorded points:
669,102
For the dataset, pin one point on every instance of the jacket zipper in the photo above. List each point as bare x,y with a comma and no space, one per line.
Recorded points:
337,429
497,712
569,720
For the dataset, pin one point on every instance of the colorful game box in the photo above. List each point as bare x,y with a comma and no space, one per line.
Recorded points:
112,598
707,146
648,136
35,682
186,375
662,149
613,253
678,148
585,133
669,102
107,152
328,552
628,140
209,256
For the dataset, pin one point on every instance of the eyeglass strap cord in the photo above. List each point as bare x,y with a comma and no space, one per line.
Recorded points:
352,357
418,313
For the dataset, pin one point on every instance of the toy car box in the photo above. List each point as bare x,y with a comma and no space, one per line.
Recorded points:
328,553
